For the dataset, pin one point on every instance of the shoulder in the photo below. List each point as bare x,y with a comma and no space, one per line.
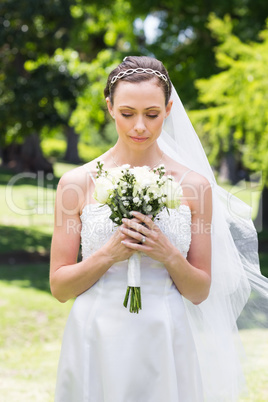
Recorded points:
75,187
198,181
80,175
186,176
197,193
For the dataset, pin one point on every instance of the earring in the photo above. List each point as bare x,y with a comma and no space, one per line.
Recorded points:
113,117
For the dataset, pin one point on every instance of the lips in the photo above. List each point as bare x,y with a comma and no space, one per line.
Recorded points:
139,139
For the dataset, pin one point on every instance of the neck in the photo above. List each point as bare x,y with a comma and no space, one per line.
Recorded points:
121,154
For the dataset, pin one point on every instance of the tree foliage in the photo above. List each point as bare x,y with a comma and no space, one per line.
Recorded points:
31,32
50,52
184,42
235,117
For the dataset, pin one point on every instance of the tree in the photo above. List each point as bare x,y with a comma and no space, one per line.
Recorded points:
33,30
46,48
235,117
183,41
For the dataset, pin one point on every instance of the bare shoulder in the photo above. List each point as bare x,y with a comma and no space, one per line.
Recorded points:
177,170
196,187
197,180
76,175
76,187
198,193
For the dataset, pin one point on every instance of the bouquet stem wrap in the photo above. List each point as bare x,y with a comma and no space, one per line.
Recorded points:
134,279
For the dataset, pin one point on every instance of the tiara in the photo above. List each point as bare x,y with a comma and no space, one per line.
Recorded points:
138,70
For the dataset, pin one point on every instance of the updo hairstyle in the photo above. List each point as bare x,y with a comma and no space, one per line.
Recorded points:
133,62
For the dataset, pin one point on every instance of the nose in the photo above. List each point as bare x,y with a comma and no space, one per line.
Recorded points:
139,125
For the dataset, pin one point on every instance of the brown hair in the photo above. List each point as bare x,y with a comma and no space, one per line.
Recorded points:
133,62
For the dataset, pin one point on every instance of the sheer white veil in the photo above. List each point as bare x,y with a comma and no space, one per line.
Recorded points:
239,293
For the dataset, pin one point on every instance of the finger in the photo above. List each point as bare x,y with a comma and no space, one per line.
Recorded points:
143,218
137,246
134,235
128,238
135,227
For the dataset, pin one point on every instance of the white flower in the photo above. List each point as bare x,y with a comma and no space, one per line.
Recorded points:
173,191
126,166
125,203
103,189
136,200
149,208
146,198
162,167
115,174
155,190
144,178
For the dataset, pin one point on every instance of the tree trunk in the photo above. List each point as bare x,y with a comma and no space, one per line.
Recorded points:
71,154
26,157
261,221
228,168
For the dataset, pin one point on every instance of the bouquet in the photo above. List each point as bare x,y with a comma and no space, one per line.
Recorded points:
141,189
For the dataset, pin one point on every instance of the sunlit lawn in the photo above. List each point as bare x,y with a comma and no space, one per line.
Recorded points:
32,324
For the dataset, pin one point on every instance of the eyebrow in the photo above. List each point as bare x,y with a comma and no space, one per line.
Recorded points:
147,108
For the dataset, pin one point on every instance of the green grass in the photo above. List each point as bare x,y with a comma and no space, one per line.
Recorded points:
246,192
32,324
256,347
55,148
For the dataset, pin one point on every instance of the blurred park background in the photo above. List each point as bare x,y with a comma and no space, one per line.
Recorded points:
55,56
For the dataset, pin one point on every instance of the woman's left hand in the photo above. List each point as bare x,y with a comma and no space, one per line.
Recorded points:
152,240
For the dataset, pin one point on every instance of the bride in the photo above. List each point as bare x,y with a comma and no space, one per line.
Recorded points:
181,345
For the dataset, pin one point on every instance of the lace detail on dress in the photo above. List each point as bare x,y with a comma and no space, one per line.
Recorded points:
97,228
176,225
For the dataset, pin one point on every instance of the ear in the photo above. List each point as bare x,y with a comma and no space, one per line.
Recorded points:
168,107
110,106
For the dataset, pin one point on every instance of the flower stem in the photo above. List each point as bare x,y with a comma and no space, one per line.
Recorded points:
135,299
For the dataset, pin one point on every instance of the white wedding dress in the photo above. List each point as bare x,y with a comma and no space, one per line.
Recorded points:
111,355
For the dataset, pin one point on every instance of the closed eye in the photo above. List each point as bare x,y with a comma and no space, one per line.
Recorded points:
152,116
126,115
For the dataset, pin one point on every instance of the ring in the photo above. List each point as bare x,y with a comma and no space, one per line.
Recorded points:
143,240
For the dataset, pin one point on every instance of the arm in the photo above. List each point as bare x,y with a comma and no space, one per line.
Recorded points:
192,276
68,278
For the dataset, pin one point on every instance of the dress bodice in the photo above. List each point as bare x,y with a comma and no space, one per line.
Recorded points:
97,228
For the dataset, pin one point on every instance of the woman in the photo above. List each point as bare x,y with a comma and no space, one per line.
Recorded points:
167,352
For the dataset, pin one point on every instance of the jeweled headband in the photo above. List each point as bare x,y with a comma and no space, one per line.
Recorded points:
138,70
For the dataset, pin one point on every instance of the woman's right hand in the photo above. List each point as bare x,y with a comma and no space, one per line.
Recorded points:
117,250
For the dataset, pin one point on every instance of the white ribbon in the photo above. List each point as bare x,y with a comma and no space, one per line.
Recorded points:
134,270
